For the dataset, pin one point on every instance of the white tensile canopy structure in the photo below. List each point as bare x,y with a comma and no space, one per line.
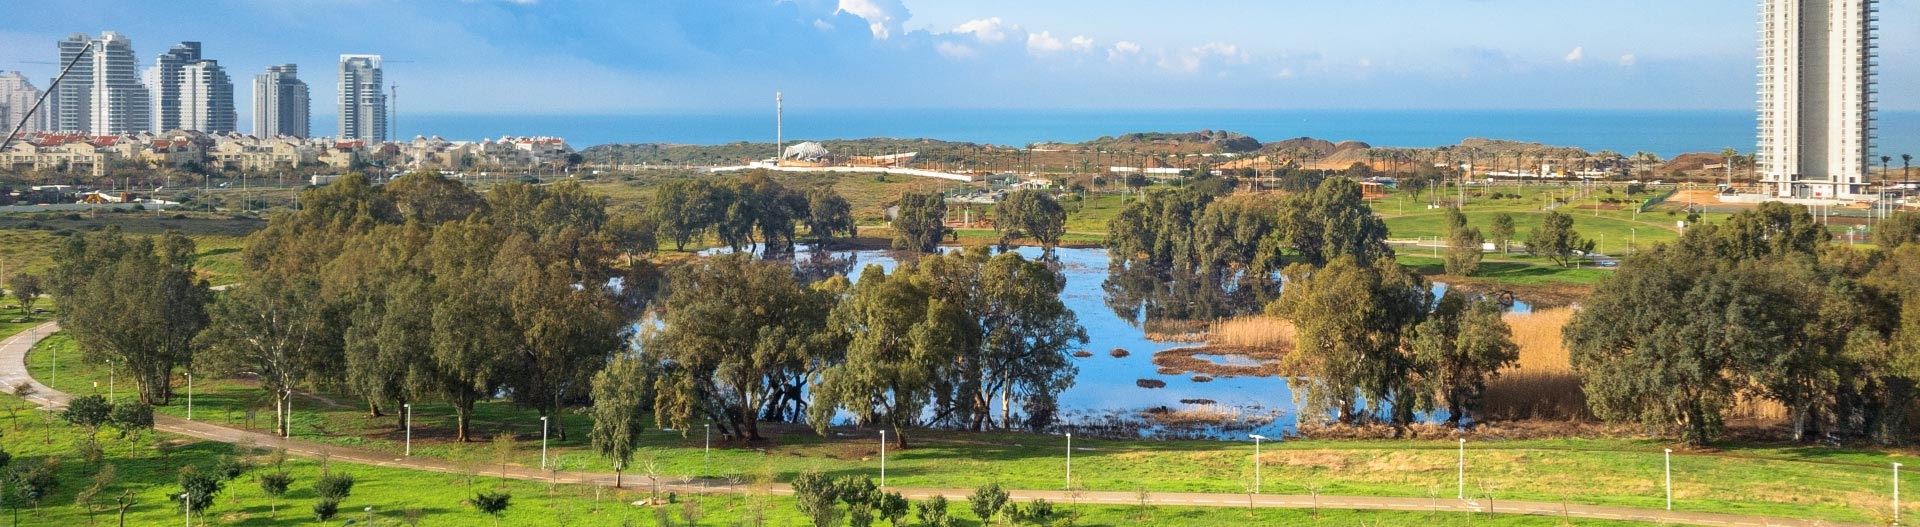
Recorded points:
808,151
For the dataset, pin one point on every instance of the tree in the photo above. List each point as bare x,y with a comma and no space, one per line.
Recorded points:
1351,319
932,512
34,482
198,489
432,199
103,480
1556,239
1501,232
892,506
132,417
1464,245
634,234
899,337
136,302
828,216
334,487
567,328
276,328
817,496
684,210
1335,220
1462,344
26,288
987,501
492,504
275,485
619,406
920,223
1901,228
735,330
470,319
1025,337
1030,213
90,412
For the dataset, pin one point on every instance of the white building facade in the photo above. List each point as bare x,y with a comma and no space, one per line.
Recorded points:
103,94
17,95
1817,96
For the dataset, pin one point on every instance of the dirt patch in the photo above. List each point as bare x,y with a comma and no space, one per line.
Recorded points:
1119,353
1540,296
1151,384
1221,361
1205,415
1083,354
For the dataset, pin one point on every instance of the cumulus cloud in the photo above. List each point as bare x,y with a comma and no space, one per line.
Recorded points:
883,17
1123,50
954,51
1628,60
1081,43
1044,42
1222,50
990,30
1578,54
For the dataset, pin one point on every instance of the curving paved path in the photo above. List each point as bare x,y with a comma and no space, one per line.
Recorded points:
13,372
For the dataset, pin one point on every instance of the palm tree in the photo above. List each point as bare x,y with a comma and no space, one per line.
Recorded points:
1906,165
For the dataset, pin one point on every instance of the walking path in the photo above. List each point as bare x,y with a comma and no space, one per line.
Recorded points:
13,373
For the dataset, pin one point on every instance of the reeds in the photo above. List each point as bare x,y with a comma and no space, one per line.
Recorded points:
1261,332
1542,384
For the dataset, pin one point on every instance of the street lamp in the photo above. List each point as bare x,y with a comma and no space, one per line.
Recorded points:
189,396
369,515
1669,479
883,457
1069,461
110,397
407,409
1463,468
1257,438
186,498
543,442
706,452
1896,493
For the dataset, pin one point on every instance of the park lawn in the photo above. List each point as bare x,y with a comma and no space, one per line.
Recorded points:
29,240
1508,270
1791,481
146,467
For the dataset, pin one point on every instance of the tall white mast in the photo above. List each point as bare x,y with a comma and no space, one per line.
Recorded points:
779,117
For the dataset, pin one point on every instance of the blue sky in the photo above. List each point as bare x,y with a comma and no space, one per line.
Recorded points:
573,56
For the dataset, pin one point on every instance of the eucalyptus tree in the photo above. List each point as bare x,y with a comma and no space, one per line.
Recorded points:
1030,213
828,216
620,398
136,302
1352,319
900,340
1460,346
277,329
920,223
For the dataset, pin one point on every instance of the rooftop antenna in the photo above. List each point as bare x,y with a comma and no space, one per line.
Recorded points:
779,124
8,140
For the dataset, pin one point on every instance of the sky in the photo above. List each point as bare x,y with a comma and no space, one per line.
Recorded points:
689,56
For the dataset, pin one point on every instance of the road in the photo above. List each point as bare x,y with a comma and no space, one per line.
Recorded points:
13,373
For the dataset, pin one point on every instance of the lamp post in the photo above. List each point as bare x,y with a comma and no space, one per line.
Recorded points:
369,515
189,396
883,458
1669,478
1896,493
407,409
1257,438
1069,461
706,452
543,442
1463,468
110,397
186,499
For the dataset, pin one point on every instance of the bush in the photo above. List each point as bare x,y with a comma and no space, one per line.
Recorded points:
325,509
199,487
988,501
132,417
90,412
492,503
334,486
231,467
932,512
275,485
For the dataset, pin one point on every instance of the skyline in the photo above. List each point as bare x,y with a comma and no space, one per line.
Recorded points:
535,57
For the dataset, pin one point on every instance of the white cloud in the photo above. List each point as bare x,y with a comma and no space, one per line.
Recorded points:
990,30
822,25
1122,50
1366,62
1578,54
884,17
1081,43
1044,42
1628,60
1231,52
954,51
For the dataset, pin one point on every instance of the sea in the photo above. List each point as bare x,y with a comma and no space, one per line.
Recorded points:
1663,132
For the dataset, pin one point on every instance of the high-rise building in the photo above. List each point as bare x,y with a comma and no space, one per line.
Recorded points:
1817,95
363,105
280,104
206,98
102,95
163,80
16,99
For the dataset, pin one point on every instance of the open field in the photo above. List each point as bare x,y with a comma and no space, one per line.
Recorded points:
28,241
1783,480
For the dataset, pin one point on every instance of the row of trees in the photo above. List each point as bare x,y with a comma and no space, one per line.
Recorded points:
1762,306
1193,231
746,211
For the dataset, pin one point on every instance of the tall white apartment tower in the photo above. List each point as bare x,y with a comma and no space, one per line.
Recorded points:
16,98
363,105
1817,96
280,103
103,94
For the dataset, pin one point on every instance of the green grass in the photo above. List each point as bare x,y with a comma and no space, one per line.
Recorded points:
29,240
1782,480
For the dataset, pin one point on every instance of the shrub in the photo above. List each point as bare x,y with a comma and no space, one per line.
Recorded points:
199,487
492,503
132,417
932,512
90,412
334,486
231,467
325,509
987,501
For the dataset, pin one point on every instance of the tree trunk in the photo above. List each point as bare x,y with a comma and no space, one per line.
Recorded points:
282,403
752,427
462,415
373,409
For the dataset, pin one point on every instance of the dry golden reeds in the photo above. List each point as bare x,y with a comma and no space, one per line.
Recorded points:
1252,332
1541,385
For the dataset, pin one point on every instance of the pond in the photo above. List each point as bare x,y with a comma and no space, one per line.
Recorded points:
1107,396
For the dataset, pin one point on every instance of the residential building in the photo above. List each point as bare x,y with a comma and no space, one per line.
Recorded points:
363,103
206,98
163,82
102,95
1816,122
17,95
280,104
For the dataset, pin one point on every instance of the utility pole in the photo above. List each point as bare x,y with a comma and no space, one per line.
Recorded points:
779,127
8,140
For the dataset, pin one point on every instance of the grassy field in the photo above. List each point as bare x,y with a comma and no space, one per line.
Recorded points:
29,240
1793,481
